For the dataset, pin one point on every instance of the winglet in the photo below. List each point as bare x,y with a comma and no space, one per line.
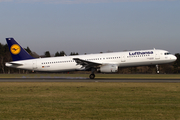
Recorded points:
17,52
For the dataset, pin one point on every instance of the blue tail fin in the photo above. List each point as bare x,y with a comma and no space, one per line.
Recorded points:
17,52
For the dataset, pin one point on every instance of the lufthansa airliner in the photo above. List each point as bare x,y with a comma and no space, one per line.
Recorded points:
104,62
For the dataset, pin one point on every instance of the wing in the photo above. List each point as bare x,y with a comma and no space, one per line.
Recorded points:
86,64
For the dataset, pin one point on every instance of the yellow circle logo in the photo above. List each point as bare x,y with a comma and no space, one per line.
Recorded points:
15,49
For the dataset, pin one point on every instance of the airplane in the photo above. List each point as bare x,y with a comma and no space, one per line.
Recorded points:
103,62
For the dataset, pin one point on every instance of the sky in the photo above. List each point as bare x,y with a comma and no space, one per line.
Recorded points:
91,26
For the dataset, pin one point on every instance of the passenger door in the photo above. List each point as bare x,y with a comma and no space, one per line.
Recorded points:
34,66
157,55
123,58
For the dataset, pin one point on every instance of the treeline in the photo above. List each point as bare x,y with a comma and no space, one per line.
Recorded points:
61,53
5,56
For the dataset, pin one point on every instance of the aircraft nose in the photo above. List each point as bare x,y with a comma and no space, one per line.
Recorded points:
174,58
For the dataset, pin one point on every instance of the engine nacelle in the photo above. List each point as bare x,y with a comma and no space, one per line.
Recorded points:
109,68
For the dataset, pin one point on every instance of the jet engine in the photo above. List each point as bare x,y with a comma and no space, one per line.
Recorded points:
109,68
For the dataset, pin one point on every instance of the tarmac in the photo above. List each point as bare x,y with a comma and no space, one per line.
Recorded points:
89,80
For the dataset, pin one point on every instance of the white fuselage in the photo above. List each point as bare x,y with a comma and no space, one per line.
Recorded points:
122,59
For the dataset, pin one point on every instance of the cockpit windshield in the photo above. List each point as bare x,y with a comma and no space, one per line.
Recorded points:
167,53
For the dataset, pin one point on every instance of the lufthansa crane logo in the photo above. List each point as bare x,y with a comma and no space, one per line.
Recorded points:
15,49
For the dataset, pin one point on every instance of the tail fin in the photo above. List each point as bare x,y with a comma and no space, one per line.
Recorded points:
17,52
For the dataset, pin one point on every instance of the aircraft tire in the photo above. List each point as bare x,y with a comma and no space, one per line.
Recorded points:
92,76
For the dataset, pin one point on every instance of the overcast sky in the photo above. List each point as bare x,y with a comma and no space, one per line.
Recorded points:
91,26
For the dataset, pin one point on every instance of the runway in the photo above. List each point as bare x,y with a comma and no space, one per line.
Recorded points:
88,80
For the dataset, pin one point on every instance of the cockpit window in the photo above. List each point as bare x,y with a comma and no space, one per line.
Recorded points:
167,53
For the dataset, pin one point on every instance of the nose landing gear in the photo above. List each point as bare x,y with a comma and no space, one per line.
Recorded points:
157,71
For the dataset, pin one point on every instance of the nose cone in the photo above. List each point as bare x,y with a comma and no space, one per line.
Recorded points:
174,58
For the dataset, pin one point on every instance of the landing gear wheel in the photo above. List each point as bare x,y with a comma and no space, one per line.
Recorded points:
157,69
92,76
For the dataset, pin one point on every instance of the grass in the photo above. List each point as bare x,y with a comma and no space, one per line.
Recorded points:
79,101
99,76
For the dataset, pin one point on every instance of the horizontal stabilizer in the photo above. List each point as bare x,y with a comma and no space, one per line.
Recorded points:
14,64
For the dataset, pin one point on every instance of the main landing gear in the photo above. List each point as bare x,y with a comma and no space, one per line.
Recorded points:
92,75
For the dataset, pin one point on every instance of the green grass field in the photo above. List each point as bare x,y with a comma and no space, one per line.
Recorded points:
85,101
